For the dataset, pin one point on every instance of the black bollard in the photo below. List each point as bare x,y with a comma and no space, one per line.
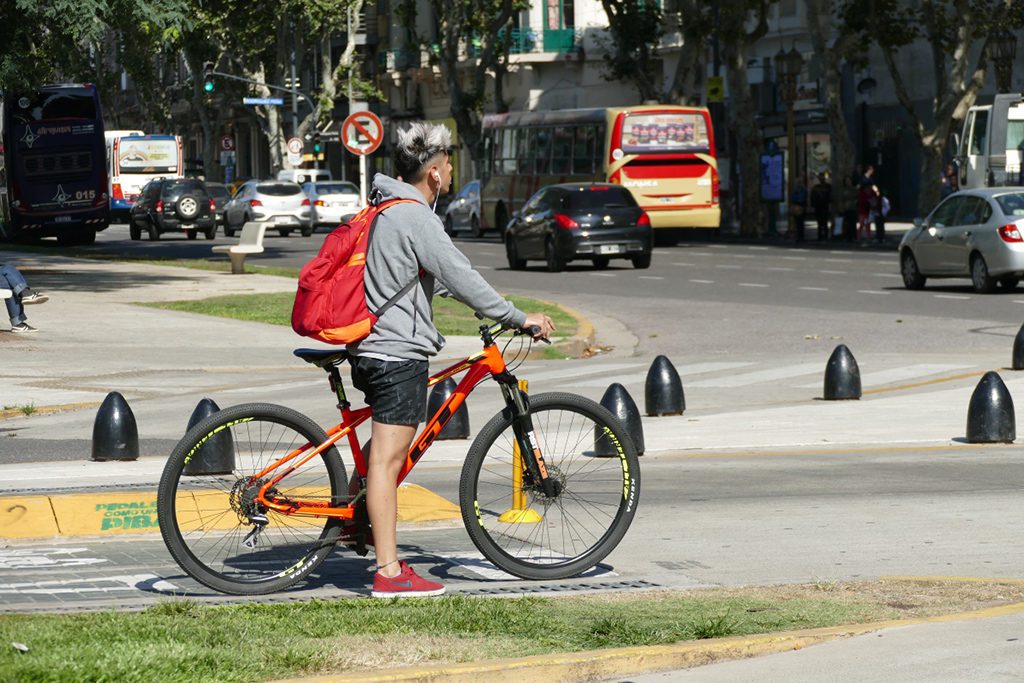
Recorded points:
842,376
217,454
458,426
990,416
663,392
618,401
1018,350
115,435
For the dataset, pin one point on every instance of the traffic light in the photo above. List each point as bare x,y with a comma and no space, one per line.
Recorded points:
317,147
208,83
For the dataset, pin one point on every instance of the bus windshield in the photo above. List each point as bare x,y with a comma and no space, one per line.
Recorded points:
147,156
673,132
53,104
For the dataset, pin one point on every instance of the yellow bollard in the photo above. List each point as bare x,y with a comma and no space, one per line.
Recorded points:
519,513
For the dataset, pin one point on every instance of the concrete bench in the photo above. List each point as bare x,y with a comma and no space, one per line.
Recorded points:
250,242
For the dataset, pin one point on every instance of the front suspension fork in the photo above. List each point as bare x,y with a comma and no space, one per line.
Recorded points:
522,427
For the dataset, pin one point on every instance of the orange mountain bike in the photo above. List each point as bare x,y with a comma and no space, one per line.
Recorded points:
536,497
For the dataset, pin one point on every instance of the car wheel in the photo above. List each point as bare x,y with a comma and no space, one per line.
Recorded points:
284,232
228,232
306,232
980,278
912,277
210,233
1009,282
601,261
187,207
135,232
474,227
641,261
191,234
449,226
154,232
556,263
514,262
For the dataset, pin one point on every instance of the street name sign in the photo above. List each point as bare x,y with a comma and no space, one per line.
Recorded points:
267,101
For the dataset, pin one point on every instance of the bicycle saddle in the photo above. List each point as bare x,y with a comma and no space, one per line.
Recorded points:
322,358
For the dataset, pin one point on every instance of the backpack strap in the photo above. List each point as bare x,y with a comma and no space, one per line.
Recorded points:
404,290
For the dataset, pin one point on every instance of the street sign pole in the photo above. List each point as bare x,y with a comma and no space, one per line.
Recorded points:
363,189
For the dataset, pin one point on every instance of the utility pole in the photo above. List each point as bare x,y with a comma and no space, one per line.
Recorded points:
295,103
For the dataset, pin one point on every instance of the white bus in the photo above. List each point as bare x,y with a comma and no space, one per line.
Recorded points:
990,149
133,159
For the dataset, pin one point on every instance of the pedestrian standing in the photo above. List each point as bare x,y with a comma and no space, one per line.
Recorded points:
821,201
798,205
881,212
865,195
12,279
950,181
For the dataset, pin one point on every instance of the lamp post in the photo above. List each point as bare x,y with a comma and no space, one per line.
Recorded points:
788,66
1003,50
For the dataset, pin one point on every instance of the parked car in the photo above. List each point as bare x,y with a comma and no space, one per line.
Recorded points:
463,212
334,202
973,233
280,203
221,196
173,205
595,221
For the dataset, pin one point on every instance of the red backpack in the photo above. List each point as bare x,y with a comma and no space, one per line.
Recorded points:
330,304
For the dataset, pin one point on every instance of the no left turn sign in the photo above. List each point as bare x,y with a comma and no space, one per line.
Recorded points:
362,133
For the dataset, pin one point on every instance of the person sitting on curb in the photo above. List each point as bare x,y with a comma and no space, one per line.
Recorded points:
12,279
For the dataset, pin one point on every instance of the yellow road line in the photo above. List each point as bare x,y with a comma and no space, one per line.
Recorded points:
925,383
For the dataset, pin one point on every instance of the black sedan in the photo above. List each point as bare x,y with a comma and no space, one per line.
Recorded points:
594,221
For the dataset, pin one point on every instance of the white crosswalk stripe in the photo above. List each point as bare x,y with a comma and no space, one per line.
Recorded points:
773,374
684,371
891,375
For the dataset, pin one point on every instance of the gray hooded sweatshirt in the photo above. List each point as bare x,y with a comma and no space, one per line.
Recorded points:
409,237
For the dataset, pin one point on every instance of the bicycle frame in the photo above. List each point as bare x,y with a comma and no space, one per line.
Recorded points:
488,363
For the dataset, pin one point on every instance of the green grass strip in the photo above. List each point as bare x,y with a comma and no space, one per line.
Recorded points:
450,316
182,641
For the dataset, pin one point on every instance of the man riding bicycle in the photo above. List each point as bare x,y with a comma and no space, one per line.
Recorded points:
390,365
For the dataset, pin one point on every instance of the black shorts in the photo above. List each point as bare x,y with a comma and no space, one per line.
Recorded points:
395,389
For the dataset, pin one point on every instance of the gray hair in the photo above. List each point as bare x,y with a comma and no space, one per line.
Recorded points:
417,145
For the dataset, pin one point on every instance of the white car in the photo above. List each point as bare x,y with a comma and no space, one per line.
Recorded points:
973,233
334,202
279,203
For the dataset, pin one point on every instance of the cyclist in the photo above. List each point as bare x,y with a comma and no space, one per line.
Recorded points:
390,366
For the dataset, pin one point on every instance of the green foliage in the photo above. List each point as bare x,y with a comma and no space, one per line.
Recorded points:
48,40
636,27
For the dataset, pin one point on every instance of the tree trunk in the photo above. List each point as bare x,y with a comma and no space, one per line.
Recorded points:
742,117
932,166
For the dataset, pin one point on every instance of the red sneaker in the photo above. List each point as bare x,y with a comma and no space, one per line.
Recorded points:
406,585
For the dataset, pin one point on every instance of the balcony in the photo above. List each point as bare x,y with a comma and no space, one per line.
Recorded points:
559,39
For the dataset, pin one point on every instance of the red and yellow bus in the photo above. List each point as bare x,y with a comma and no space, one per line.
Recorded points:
665,155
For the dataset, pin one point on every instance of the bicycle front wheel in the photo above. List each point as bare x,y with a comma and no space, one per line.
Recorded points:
522,530
213,525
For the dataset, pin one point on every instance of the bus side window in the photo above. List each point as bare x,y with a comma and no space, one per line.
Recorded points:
525,152
979,142
543,146
583,152
561,150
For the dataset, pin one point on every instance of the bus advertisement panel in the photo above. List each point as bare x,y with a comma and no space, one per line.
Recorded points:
134,160
664,154
54,162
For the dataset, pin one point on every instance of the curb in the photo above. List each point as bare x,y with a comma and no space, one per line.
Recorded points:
134,512
604,664
573,346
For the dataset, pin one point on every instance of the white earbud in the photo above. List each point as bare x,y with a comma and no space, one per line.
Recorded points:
437,176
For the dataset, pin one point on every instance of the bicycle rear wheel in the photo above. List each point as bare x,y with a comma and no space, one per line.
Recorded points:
510,519
212,524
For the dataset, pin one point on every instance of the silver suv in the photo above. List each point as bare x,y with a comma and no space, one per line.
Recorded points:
280,203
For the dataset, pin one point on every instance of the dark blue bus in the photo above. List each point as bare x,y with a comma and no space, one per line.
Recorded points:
54,164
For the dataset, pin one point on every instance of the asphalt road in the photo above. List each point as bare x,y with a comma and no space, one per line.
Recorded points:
724,520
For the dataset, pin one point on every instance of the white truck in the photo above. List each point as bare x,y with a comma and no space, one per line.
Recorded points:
991,147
